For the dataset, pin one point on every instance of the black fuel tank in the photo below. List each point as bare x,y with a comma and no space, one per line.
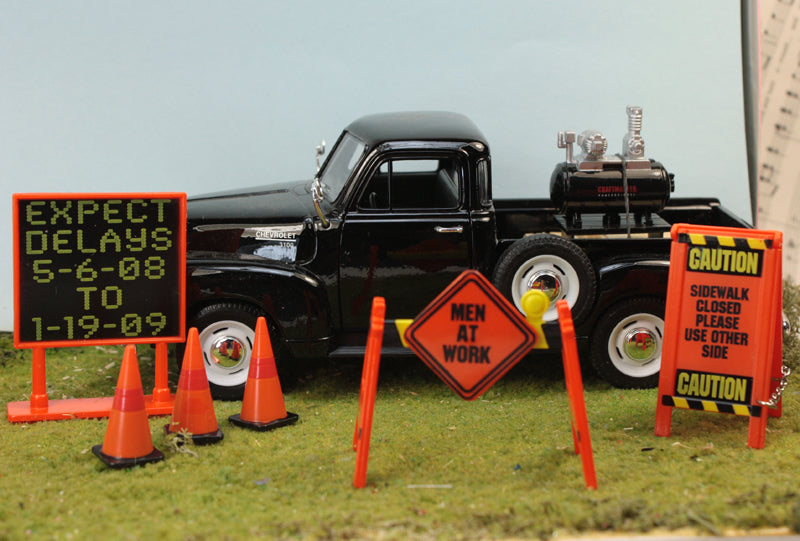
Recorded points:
602,190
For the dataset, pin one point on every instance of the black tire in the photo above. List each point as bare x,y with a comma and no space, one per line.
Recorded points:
637,323
227,332
556,264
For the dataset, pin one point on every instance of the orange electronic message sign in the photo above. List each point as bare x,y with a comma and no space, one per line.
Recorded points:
722,341
470,335
99,268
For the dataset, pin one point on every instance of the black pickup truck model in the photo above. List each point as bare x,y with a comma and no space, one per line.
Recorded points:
400,207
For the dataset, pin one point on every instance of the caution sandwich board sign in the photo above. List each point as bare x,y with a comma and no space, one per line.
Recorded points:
722,334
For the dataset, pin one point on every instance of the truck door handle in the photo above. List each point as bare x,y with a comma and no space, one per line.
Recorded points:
454,229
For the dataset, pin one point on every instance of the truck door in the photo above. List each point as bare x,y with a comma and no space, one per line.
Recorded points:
406,236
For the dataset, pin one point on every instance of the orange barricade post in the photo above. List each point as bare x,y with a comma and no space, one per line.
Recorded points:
369,388
194,408
263,407
722,332
128,441
577,405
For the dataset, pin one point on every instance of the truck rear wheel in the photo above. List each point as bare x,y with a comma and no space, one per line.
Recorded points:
628,341
551,264
227,332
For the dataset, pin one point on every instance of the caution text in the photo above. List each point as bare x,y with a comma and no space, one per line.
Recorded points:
713,386
724,261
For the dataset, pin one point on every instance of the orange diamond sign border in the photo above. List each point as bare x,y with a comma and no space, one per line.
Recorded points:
470,335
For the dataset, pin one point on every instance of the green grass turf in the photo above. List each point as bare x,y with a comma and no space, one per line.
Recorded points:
502,466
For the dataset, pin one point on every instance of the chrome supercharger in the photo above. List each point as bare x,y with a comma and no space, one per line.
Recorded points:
626,185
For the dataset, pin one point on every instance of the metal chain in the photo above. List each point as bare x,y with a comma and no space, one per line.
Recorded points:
776,396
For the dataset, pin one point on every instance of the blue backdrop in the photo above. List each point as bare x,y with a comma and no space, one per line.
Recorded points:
199,96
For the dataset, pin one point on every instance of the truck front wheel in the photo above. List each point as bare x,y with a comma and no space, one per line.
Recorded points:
227,332
551,264
628,341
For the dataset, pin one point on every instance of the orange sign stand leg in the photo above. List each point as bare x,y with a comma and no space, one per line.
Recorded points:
41,408
161,394
777,362
39,391
572,374
770,374
369,388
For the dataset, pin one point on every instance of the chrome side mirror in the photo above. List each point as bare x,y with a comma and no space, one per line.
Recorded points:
316,196
320,150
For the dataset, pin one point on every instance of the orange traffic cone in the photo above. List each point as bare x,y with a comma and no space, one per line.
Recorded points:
128,441
263,407
194,408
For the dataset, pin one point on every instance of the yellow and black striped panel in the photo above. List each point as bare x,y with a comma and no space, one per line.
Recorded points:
724,241
709,405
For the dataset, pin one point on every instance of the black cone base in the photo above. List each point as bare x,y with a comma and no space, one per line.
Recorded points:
119,463
290,418
198,439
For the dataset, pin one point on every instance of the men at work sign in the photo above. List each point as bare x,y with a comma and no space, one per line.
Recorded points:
470,335
722,332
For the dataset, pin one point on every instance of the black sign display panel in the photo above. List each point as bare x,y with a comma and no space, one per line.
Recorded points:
99,268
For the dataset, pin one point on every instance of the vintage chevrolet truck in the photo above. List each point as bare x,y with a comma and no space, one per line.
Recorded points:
400,207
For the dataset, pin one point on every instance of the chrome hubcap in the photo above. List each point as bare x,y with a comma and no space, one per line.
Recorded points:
228,351
548,283
640,344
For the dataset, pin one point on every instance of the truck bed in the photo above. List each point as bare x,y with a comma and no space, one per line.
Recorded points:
519,217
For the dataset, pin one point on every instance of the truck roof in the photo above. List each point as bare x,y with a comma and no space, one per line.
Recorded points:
415,126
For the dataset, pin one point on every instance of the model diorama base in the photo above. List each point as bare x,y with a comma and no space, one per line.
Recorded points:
290,418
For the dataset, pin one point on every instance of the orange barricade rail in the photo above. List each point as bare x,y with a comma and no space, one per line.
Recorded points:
369,388
577,405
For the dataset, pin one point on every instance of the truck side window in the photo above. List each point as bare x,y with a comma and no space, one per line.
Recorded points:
376,195
414,184
484,192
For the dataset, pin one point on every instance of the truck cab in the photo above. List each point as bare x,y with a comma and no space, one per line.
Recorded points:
410,220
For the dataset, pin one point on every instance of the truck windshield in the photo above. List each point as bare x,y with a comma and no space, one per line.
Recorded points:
340,165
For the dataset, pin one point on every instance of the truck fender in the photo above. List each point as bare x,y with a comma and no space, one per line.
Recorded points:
296,300
620,280
626,335
224,302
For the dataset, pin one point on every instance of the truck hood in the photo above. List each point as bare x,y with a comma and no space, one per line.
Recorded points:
277,203
269,222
